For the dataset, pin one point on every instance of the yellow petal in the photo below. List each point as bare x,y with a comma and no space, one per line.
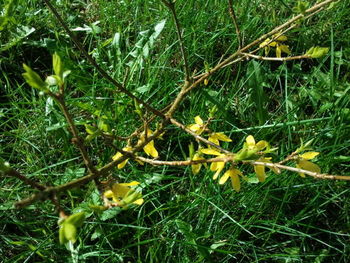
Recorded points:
273,44
139,201
285,49
196,167
281,38
122,164
132,183
222,137
149,132
206,81
301,174
150,150
278,52
309,155
224,178
108,194
261,145
219,167
216,175
117,156
260,172
267,50
198,120
210,151
263,44
120,190
309,166
236,183
213,166
194,127
214,140
250,141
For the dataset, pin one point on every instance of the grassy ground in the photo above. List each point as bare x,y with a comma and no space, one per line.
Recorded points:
185,217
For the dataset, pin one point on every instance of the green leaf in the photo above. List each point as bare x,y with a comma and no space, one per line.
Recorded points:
62,236
57,65
317,52
34,80
102,125
158,29
90,129
69,232
76,219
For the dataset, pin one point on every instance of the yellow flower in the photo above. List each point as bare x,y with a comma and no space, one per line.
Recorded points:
303,163
216,137
216,167
196,167
250,148
197,127
149,148
250,141
234,175
118,155
260,169
124,194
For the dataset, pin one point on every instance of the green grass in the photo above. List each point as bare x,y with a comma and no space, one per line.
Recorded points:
185,217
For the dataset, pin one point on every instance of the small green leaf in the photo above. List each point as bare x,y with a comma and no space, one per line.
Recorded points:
62,236
76,219
57,65
104,126
317,52
90,129
34,80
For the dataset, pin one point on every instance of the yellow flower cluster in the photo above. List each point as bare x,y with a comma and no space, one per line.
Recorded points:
149,149
276,43
250,151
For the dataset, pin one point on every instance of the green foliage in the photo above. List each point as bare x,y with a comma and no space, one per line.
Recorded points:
185,217
34,80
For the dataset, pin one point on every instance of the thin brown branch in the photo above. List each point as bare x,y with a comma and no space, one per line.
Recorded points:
183,163
55,200
171,6
103,73
13,173
235,22
275,59
298,170
77,140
